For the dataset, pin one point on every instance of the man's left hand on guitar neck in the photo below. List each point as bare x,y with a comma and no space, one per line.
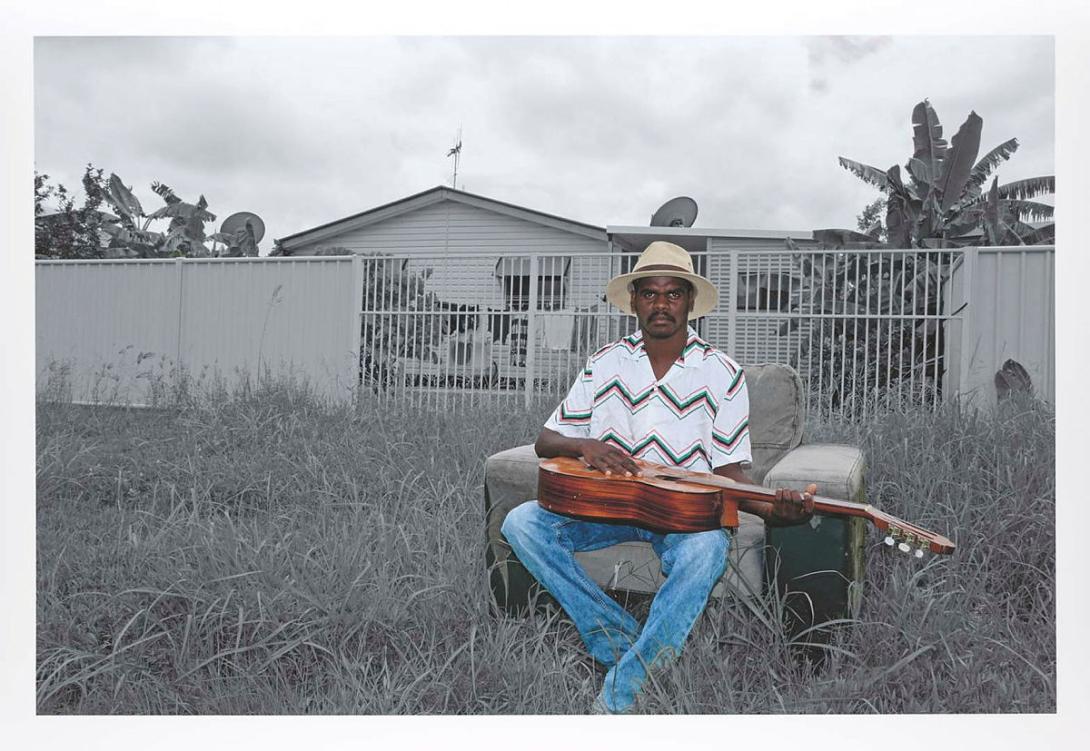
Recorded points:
789,508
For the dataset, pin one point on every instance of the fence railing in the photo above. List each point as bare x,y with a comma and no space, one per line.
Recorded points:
866,329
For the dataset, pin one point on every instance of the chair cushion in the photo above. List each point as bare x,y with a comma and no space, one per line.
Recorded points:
776,414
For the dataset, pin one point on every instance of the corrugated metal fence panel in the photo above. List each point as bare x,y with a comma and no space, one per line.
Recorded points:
122,327
1010,315
289,318
103,327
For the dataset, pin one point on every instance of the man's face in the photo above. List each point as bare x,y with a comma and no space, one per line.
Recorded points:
662,305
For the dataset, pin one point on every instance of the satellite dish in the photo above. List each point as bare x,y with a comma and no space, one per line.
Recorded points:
677,212
238,220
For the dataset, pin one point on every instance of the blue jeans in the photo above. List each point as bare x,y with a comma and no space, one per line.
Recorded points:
546,544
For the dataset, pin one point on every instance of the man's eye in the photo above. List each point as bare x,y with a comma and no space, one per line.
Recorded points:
674,294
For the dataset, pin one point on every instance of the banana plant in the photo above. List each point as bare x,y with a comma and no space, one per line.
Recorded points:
130,231
941,198
938,199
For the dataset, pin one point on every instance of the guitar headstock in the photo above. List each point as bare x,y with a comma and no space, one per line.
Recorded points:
908,538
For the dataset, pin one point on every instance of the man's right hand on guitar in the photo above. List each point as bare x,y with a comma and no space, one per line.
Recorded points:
608,459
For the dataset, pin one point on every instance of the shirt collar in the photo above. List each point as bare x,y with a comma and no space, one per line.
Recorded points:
636,349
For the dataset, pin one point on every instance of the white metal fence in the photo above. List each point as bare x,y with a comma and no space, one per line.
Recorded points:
866,329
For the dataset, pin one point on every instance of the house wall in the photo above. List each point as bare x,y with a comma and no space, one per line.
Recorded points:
437,234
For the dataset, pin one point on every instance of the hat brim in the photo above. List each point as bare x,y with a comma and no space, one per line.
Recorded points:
706,295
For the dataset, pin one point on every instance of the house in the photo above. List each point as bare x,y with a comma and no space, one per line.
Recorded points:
472,253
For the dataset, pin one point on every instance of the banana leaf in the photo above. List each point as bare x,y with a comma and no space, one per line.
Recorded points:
184,211
929,222
865,172
993,231
1031,210
960,157
966,221
1031,187
1042,235
990,161
122,199
922,176
165,192
927,137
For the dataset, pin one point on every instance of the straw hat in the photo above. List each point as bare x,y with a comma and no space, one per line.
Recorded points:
663,259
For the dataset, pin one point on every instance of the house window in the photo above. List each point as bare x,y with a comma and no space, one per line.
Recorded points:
552,276
550,292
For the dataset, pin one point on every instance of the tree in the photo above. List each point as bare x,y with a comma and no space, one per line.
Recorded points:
941,197
871,221
70,231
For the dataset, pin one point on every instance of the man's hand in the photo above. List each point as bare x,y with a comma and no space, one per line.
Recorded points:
608,459
595,454
793,507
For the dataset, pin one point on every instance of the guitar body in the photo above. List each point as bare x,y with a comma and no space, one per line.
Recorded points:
567,486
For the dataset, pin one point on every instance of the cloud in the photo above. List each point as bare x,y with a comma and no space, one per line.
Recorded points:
825,53
598,129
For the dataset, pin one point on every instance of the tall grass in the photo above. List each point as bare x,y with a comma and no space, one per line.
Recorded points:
261,552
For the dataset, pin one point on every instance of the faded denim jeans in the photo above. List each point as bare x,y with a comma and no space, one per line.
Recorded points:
692,563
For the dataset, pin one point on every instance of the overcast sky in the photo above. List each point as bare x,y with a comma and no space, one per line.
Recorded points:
598,129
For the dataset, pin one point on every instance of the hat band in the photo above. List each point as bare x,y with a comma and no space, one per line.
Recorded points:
663,267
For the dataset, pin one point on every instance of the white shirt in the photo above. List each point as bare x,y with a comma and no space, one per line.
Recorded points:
696,416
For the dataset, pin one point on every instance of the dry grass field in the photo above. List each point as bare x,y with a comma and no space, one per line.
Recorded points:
261,552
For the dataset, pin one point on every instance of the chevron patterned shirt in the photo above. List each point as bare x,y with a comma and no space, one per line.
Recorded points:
696,416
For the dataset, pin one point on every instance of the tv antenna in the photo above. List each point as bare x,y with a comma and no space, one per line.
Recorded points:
677,212
456,152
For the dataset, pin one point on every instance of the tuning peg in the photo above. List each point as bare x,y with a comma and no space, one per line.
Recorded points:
919,552
889,541
903,547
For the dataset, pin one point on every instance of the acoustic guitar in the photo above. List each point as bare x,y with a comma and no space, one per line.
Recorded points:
673,499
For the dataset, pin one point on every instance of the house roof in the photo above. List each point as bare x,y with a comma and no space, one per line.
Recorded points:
427,198
695,239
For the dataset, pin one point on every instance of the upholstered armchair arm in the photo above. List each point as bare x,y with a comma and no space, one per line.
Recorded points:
836,468
510,478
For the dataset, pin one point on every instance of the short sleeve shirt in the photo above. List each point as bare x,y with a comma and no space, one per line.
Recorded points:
696,416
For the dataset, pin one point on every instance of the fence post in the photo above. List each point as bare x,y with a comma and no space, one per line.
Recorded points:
968,319
531,360
179,270
730,302
355,319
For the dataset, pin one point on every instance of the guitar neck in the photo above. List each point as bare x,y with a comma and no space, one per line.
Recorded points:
741,490
744,491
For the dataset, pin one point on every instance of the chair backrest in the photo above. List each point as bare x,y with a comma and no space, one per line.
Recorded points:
776,414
